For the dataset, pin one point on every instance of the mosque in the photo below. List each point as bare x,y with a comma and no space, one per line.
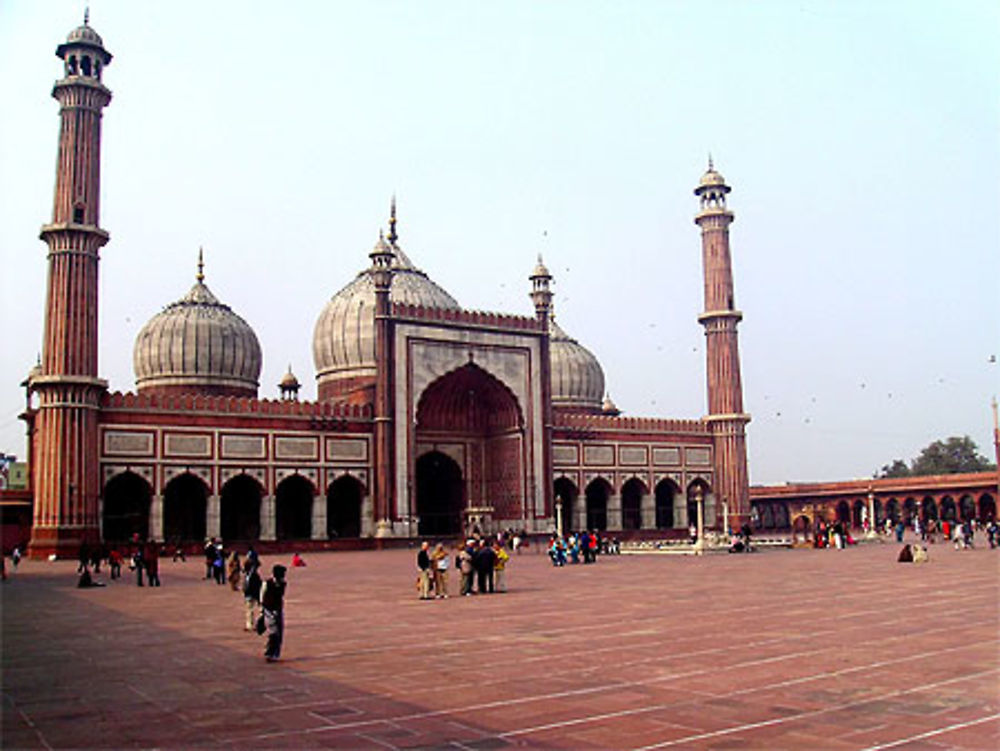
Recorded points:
430,419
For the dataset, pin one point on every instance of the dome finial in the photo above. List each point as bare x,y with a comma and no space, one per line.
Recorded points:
710,165
86,15
200,276
393,237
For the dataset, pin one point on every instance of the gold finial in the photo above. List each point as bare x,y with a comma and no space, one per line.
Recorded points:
201,266
393,237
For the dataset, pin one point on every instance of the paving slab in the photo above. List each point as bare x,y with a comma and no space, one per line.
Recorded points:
811,649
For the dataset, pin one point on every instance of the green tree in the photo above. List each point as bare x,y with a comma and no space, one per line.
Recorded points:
957,454
948,457
898,468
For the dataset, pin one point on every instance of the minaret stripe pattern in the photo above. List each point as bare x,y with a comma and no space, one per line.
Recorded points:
725,389
69,391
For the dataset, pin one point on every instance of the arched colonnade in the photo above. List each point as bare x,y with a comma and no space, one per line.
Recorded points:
187,511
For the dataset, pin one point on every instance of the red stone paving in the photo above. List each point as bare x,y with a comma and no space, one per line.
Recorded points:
805,649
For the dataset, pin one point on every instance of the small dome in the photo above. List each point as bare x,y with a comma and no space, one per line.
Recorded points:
85,35
711,177
540,270
289,381
609,407
577,377
344,337
197,345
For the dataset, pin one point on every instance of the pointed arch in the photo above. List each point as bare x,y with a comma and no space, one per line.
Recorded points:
185,504
343,507
666,492
239,508
293,505
127,499
632,493
597,493
566,490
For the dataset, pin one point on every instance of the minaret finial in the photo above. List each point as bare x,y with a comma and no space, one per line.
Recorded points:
86,15
710,165
201,266
393,236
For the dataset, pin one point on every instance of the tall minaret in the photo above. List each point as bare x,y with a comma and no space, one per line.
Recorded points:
382,256
66,474
725,391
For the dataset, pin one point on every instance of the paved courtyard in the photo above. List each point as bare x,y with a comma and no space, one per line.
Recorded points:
810,649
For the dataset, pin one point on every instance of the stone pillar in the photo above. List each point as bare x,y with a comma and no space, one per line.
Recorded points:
681,520
267,525
319,518
647,509
367,516
156,518
614,513
212,520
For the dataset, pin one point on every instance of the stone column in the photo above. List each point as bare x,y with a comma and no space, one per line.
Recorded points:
367,516
267,526
614,513
212,520
156,518
647,510
319,518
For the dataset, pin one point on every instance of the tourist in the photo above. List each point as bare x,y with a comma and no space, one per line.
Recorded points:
440,562
86,580
83,557
15,556
219,564
424,572
993,533
151,561
483,561
138,564
272,603
252,556
516,542
693,533
594,545
233,570
574,549
210,552
179,551
251,590
297,561
900,530
115,563
464,560
500,567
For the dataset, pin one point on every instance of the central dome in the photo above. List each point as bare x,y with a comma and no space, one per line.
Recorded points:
344,338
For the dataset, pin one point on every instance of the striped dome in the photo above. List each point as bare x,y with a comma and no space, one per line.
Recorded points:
577,377
197,345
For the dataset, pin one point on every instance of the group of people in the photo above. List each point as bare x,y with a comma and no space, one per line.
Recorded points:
580,546
481,564
836,535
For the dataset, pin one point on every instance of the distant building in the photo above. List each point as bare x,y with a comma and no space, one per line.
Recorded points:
431,420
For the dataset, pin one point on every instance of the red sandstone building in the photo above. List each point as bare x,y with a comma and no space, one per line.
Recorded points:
430,418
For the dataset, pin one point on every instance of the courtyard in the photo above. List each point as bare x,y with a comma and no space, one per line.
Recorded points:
806,649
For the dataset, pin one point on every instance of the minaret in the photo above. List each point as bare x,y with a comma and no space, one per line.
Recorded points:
725,392
541,296
382,256
66,452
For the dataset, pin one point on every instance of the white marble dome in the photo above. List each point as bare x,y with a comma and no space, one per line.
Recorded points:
344,337
197,345
577,377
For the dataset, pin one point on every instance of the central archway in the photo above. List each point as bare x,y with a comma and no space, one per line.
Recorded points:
439,495
473,417
126,507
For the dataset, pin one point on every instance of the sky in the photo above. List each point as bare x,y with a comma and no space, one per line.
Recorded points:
861,141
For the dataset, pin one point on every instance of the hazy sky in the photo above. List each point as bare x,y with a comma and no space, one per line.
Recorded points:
860,139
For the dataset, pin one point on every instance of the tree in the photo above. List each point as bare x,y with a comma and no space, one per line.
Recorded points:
948,457
898,468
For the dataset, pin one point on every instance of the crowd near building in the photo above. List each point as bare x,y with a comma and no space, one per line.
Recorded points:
430,420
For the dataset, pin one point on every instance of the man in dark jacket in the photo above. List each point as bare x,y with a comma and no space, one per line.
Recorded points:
272,602
483,562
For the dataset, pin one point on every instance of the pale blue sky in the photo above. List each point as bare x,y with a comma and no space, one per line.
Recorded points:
860,138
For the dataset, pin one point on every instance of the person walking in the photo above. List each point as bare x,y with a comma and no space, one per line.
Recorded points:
152,562
424,571
251,590
464,558
483,563
138,564
233,570
272,603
